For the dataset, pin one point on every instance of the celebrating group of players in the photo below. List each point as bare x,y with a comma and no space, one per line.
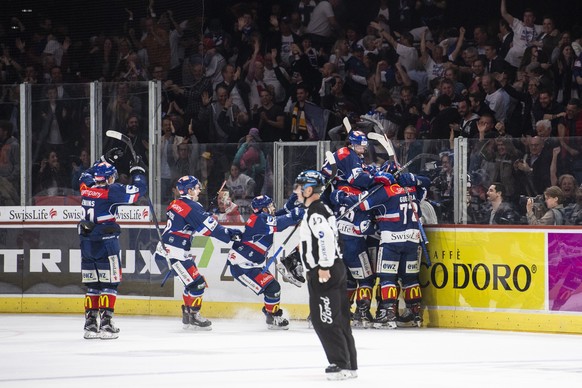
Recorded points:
375,209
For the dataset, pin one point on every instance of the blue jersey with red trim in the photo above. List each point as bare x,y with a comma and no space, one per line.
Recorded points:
257,237
187,218
100,203
394,213
350,170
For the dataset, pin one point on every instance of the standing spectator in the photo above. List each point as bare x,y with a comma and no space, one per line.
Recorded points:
242,188
78,167
563,74
323,27
570,136
251,158
533,171
568,184
248,256
524,33
9,166
307,119
501,212
326,278
99,236
157,44
545,108
496,99
186,219
270,118
214,62
193,93
409,148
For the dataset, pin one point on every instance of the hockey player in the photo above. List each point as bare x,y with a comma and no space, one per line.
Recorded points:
247,257
326,278
353,175
99,236
187,218
396,211
353,229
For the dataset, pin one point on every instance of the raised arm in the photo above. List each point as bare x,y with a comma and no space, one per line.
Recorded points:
504,14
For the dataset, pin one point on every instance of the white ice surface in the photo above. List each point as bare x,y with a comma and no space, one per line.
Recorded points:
49,351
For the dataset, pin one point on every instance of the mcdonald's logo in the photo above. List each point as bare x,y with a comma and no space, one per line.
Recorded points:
413,292
104,301
365,293
389,292
276,308
88,304
197,302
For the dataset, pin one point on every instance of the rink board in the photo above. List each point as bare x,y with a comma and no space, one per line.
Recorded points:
505,279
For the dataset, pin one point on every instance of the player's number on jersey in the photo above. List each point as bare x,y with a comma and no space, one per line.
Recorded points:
404,207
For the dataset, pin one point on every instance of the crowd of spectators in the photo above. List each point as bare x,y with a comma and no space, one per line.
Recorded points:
512,87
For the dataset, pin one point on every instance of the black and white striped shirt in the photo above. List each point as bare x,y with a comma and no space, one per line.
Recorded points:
318,233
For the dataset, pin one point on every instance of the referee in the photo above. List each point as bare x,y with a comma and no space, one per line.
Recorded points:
326,278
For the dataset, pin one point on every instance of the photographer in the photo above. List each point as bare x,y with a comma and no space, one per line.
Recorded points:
554,215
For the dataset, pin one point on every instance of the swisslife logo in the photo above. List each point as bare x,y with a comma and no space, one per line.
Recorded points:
19,214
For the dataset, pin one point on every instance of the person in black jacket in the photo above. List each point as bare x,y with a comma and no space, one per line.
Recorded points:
326,278
501,212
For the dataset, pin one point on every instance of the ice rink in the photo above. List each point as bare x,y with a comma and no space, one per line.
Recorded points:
49,351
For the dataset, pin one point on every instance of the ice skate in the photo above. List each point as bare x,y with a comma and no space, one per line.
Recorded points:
185,317
385,316
91,324
412,317
107,330
198,322
276,321
334,372
362,318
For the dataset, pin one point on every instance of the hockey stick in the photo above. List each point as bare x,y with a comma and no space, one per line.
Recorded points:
387,144
123,138
278,251
419,156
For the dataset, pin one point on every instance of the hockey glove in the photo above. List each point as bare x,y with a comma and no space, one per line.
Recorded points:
137,166
390,167
112,156
407,179
297,214
291,203
384,178
235,234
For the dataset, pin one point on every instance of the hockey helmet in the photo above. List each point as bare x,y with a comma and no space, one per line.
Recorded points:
358,138
310,178
186,183
261,202
102,171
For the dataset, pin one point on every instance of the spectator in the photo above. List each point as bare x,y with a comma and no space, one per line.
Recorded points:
270,118
533,170
554,198
218,117
545,108
570,136
501,212
409,148
157,44
568,184
323,26
52,177
307,119
9,166
242,188
574,211
251,158
525,33
496,99
78,166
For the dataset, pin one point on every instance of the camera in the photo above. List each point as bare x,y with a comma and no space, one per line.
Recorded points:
537,200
